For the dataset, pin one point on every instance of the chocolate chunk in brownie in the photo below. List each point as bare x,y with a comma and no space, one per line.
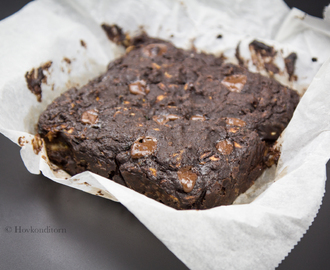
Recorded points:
181,127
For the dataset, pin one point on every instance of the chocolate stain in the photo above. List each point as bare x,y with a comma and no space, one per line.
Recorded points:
67,60
283,173
37,144
21,141
57,171
100,193
238,55
35,78
263,56
116,34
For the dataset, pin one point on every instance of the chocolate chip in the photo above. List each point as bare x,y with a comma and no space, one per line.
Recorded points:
90,117
235,122
163,119
143,146
187,178
172,117
159,119
153,50
235,83
139,88
225,147
197,118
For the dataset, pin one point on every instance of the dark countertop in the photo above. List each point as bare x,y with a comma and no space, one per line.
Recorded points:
83,231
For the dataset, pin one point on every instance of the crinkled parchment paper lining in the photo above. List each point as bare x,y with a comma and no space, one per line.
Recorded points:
257,235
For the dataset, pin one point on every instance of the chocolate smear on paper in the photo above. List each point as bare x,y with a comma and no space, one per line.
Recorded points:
263,57
116,34
35,78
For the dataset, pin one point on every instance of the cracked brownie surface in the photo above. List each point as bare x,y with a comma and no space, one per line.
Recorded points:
181,127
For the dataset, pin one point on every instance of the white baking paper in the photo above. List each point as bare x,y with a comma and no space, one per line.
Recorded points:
326,13
263,225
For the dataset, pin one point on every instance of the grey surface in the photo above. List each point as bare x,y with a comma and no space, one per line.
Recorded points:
94,233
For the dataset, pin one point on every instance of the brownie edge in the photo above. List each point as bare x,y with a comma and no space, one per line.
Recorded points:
183,128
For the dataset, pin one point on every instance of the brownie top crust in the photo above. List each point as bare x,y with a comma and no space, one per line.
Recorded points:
182,127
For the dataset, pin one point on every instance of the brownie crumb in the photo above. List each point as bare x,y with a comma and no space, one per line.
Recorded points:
262,48
271,68
83,43
290,62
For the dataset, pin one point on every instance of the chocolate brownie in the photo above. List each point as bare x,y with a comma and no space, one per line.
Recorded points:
183,128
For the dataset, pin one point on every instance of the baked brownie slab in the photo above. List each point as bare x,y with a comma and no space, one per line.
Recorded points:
181,127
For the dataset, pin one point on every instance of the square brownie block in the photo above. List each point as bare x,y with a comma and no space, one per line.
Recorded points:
181,127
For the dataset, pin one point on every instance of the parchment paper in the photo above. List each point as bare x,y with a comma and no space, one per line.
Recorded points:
254,235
